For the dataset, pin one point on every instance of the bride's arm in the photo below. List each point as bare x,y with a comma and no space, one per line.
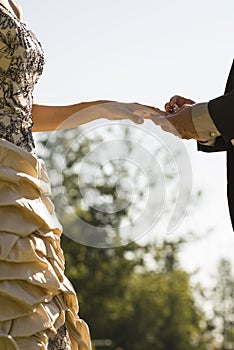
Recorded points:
49,118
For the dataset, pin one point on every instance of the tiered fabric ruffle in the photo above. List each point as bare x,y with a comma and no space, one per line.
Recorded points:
36,298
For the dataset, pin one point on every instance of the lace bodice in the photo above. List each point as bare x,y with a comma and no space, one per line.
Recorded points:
21,64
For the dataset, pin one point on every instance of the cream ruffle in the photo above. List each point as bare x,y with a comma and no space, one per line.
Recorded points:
35,296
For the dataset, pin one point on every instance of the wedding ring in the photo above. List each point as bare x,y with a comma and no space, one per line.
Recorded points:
174,108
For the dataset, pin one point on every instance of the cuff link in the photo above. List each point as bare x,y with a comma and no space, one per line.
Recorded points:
214,133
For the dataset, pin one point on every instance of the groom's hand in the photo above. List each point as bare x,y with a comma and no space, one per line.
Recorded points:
177,119
177,102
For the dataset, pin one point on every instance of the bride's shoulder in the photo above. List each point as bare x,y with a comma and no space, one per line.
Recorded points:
17,8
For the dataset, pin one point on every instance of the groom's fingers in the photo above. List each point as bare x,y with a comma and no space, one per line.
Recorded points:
180,101
177,100
168,107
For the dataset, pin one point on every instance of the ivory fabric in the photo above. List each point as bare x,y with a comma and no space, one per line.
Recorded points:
36,298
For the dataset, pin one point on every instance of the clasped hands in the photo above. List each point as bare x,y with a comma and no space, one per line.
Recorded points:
175,119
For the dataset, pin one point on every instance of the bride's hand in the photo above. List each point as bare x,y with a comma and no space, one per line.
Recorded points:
134,111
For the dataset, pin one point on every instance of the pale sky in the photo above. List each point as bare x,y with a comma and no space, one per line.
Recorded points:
146,51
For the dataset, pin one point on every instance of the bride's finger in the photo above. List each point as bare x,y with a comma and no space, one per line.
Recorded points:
144,107
143,113
135,118
160,120
171,130
147,112
159,112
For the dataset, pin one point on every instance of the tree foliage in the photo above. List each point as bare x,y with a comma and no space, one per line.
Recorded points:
222,297
135,306
137,296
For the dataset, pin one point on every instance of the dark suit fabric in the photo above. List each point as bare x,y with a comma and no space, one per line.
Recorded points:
221,110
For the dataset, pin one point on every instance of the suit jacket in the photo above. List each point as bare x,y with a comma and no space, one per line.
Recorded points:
221,110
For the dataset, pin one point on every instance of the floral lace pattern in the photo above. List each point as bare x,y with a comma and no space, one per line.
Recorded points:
21,64
61,340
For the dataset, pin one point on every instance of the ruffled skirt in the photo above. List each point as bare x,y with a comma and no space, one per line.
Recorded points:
36,298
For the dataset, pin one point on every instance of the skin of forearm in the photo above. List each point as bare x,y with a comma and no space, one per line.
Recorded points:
49,118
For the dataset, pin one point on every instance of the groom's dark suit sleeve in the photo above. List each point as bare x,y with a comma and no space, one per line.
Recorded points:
221,111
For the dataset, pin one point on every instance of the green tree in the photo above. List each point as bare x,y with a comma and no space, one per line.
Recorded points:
101,278
135,306
223,302
137,296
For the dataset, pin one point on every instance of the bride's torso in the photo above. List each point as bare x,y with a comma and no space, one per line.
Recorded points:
21,64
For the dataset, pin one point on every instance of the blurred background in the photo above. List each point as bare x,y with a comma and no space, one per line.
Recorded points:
163,291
